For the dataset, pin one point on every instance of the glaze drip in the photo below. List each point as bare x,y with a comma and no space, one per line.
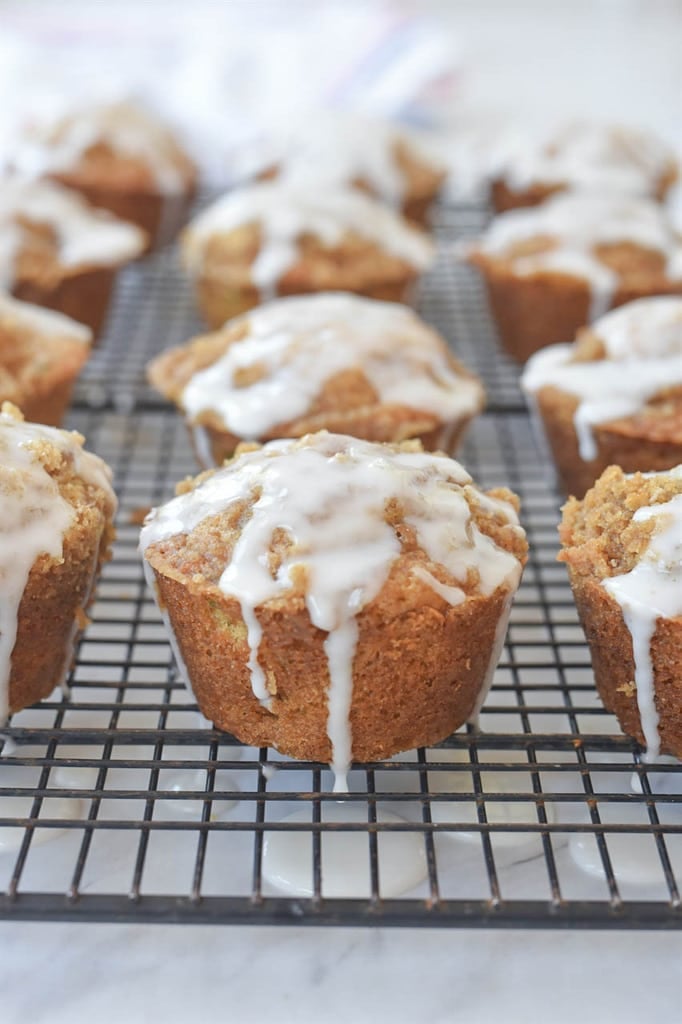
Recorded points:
340,541
286,211
574,226
643,343
652,590
297,344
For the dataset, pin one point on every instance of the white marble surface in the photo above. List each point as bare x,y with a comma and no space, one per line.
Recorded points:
65,974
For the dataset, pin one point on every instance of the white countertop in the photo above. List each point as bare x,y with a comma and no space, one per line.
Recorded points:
63,974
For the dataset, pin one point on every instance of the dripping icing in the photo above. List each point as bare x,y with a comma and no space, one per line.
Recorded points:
652,590
340,540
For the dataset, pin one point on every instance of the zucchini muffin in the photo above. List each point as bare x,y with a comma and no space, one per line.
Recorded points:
623,549
334,598
59,252
383,159
41,354
551,269
584,157
332,361
57,508
615,396
120,157
277,238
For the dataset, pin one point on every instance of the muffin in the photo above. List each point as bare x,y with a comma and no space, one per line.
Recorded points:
41,354
554,268
623,548
584,157
120,157
332,361
276,238
382,158
350,619
56,526
57,251
615,396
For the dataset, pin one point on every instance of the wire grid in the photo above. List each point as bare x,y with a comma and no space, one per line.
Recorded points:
121,803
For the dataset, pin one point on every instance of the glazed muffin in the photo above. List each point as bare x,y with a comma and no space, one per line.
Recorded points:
350,619
275,238
120,157
56,528
623,549
551,269
59,252
41,354
583,157
332,361
382,158
615,396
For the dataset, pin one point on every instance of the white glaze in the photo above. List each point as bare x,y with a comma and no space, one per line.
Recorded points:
610,159
299,343
287,856
285,212
84,236
576,224
341,539
57,144
643,342
42,321
34,517
341,148
652,590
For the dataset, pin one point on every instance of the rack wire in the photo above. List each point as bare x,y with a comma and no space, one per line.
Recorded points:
121,803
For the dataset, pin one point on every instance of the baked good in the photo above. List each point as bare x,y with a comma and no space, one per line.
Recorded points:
615,396
55,532
120,157
583,156
336,598
553,268
57,251
380,157
41,354
275,238
623,549
332,361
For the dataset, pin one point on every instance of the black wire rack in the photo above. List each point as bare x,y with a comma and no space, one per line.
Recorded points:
121,804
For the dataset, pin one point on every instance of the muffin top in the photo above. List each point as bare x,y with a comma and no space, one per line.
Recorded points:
48,485
119,145
298,357
611,159
628,362
605,240
45,228
383,158
34,342
257,530
281,215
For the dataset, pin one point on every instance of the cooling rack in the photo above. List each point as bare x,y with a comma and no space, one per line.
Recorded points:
121,803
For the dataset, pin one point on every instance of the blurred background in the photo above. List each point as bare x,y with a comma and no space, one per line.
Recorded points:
226,72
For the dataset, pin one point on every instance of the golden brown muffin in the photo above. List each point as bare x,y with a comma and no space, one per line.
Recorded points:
55,532
336,598
121,158
551,269
57,251
41,354
623,549
615,396
332,361
381,158
584,157
274,238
